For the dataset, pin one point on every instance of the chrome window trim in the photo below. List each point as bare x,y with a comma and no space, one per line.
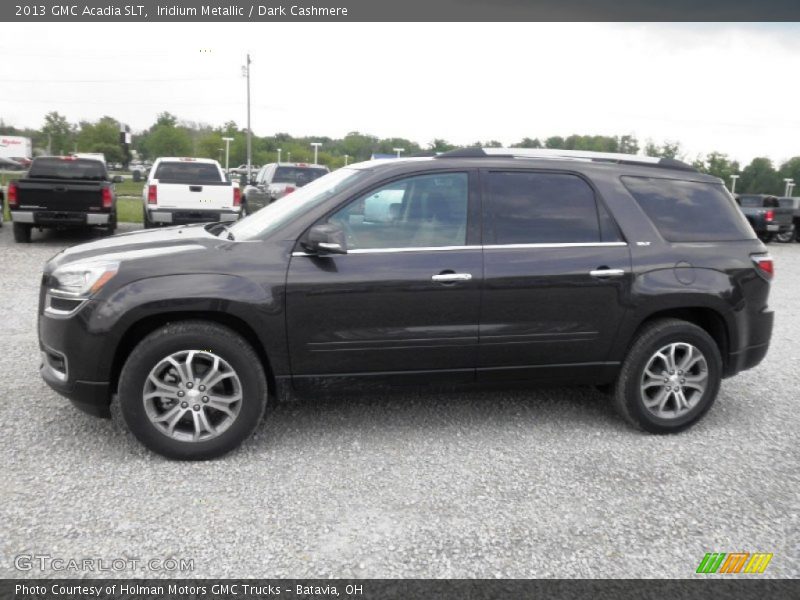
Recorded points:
484,247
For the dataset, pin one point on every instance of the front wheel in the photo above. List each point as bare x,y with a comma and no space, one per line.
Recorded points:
670,377
192,390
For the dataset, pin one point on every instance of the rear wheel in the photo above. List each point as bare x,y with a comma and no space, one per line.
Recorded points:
145,221
670,377
786,236
192,390
22,233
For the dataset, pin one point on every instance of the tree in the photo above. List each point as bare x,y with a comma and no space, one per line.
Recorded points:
166,140
529,143
58,133
666,150
718,165
440,145
791,169
103,137
760,177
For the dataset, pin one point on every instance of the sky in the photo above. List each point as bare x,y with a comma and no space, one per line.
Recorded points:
726,87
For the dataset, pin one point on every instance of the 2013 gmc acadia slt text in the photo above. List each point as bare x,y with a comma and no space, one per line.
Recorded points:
475,267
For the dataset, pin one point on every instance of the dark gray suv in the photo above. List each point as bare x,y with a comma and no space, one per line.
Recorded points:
476,267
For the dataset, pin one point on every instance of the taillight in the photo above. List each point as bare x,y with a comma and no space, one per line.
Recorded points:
107,198
12,194
764,265
152,194
237,196
770,214
289,189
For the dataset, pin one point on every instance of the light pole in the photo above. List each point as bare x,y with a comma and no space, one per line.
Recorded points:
399,150
346,156
791,189
221,150
316,146
288,157
279,155
227,141
789,181
733,183
246,73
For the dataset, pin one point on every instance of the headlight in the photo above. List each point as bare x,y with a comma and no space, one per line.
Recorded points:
82,279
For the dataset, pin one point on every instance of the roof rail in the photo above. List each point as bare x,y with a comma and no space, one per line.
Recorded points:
582,155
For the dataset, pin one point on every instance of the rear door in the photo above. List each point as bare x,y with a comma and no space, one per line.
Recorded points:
404,300
191,184
557,274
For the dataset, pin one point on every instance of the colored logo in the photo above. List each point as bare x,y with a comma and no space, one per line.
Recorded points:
735,562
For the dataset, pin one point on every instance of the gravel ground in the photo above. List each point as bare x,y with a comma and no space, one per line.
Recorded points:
513,484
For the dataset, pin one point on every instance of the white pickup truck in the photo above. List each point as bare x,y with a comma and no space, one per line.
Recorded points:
189,190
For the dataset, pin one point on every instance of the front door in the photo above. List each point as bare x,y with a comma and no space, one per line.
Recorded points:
404,300
557,275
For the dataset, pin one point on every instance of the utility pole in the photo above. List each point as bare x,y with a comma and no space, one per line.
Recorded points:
227,141
733,183
246,70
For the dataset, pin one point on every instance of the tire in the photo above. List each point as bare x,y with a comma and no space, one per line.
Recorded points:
785,237
199,344
112,224
22,233
634,390
145,221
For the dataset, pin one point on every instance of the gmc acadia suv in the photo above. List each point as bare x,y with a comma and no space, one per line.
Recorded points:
478,266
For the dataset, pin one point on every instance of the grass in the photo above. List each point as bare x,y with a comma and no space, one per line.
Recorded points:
129,210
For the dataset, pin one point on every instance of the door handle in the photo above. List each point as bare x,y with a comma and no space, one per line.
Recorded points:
451,277
604,272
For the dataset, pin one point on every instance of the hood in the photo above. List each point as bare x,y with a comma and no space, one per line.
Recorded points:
144,244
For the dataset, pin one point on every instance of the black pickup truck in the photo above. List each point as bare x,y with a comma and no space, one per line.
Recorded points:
60,192
766,216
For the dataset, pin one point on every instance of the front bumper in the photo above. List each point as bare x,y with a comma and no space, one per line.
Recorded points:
183,216
91,397
52,218
69,365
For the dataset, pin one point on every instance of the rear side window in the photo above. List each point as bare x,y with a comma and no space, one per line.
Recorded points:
67,168
187,172
689,211
541,208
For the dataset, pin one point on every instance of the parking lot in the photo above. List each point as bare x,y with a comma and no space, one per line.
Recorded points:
544,483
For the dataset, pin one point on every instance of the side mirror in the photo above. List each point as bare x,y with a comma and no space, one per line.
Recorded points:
326,238
117,179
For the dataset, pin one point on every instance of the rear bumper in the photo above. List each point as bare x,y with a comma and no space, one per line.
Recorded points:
183,216
59,218
751,355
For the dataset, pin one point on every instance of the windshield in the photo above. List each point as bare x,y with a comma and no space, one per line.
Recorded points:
271,217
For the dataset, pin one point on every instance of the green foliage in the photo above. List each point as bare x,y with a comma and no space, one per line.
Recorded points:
168,140
102,136
58,133
760,177
718,165
665,150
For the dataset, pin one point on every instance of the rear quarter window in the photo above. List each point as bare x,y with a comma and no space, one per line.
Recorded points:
689,211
